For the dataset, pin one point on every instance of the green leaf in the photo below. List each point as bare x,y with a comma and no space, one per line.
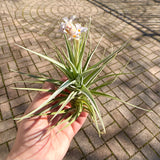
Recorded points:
30,82
34,89
58,64
72,118
30,75
90,77
83,43
68,99
44,112
109,75
69,49
88,94
104,61
107,82
72,66
115,98
87,72
95,73
43,74
109,57
81,52
59,53
89,108
90,56
68,122
104,84
58,91
42,79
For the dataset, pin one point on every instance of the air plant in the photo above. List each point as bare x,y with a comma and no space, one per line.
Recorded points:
78,90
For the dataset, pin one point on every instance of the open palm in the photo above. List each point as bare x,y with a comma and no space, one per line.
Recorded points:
35,141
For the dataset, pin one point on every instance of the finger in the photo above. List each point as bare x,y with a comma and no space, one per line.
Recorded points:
81,119
41,97
71,130
64,78
79,122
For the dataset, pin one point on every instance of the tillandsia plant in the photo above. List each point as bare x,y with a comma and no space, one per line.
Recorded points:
78,90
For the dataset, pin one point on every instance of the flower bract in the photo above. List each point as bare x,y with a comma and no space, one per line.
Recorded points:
73,30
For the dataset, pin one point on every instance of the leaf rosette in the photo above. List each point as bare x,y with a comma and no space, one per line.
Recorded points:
78,90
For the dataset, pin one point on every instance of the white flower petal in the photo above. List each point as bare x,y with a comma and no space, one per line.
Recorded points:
62,27
84,29
65,19
73,30
72,18
78,26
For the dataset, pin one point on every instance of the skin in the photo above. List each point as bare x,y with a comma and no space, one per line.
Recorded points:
35,141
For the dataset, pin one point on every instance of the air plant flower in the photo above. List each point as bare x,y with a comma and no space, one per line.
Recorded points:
73,30
79,89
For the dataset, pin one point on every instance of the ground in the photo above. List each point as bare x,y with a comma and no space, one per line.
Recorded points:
131,133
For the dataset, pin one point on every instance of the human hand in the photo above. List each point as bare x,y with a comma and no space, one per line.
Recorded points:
35,142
